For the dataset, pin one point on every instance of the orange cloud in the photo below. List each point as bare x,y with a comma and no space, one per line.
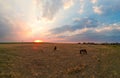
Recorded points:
93,1
97,9
68,4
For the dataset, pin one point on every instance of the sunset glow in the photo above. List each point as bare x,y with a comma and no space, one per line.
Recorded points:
38,41
60,20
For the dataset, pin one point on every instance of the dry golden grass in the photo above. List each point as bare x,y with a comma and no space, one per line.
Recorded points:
41,61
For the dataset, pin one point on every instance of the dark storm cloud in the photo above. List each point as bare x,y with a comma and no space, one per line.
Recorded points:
76,25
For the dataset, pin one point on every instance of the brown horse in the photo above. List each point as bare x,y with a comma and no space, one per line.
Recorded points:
83,51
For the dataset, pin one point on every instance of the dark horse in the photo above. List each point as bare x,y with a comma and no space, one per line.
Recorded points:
83,51
55,48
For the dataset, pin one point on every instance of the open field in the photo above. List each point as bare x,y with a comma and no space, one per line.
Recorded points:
41,61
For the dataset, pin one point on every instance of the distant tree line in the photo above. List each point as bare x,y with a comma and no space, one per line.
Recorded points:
93,43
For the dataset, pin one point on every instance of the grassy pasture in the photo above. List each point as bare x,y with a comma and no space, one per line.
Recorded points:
41,61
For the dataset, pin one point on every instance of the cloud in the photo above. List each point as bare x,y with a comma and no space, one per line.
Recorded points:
92,32
48,8
106,34
85,23
68,3
92,36
108,7
82,4
97,9
76,25
61,29
13,30
72,33
94,1
15,16
81,0
76,19
81,9
4,27
105,28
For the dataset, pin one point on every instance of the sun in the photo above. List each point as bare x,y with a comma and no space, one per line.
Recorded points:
38,41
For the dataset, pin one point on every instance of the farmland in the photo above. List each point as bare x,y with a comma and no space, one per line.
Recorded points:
39,60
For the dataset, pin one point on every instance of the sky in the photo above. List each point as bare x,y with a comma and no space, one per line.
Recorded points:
60,20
